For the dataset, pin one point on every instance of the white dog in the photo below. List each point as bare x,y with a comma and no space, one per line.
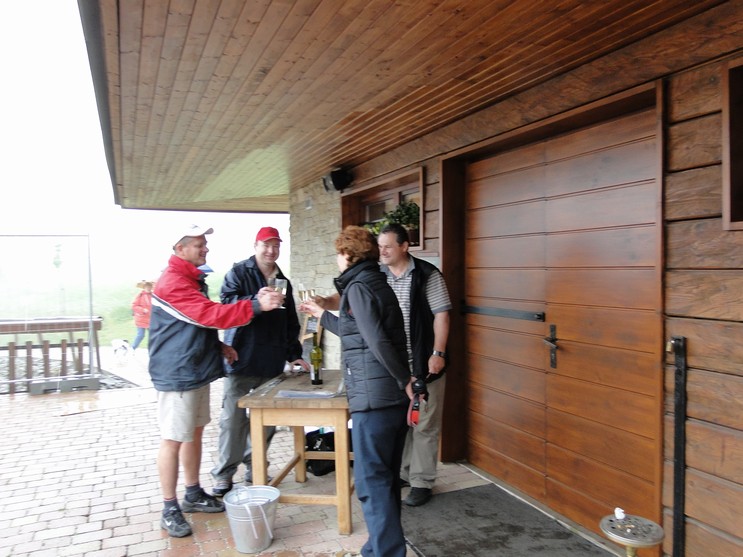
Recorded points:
121,348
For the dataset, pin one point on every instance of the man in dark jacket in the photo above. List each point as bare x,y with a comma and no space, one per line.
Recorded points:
185,357
378,385
424,300
263,348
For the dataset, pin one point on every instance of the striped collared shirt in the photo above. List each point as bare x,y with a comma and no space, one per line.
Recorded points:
436,294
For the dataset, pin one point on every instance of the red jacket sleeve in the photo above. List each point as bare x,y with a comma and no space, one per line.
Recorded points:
182,296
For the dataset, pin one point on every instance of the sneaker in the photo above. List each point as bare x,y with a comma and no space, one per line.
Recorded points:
222,488
172,520
347,554
418,496
205,504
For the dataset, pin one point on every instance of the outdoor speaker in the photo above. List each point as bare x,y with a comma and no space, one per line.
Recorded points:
336,180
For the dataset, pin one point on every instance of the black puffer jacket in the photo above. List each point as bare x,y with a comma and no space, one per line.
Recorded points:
372,333
272,338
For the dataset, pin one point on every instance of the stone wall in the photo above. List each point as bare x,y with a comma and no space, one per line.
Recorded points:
314,225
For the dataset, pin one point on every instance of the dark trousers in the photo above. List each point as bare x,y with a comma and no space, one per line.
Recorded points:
378,439
234,428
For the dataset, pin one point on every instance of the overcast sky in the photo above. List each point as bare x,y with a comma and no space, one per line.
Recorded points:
54,177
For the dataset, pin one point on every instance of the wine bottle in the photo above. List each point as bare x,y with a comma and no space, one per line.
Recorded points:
316,361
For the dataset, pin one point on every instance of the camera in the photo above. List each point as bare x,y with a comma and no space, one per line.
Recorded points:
420,389
419,392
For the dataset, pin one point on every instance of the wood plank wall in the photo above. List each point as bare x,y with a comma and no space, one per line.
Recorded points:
704,303
704,264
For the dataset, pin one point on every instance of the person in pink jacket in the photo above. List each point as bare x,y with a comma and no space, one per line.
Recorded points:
141,309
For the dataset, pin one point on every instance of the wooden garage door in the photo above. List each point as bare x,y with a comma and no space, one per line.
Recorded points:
565,229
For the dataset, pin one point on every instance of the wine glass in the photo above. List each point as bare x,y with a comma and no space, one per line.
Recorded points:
281,286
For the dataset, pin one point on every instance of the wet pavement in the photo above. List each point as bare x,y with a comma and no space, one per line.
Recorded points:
79,478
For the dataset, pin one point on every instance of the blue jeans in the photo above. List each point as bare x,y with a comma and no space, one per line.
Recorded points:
378,439
139,338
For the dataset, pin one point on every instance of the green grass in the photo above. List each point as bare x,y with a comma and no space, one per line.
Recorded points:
50,276
112,302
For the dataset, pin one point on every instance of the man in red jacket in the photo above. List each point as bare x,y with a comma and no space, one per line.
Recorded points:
186,355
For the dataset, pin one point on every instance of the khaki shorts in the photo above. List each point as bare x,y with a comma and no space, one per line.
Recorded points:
180,412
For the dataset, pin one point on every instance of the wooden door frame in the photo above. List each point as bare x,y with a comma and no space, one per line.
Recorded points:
452,234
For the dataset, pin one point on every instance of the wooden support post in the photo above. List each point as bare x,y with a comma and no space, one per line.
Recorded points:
45,358
79,361
63,347
29,360
11,367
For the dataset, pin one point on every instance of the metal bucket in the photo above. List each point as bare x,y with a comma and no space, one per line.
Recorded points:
251,511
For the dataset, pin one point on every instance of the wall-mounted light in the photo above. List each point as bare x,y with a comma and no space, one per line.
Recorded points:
337,180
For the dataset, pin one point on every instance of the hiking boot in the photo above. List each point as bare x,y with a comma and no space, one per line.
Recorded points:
418,496
172,520
222,488
204,504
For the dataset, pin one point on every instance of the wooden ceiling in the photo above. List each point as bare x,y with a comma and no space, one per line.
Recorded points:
228,105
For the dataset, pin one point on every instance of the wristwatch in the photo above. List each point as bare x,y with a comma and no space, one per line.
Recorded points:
439,353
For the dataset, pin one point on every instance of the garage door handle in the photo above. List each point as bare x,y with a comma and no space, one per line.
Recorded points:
551,341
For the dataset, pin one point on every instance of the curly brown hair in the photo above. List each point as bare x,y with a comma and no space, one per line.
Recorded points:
357,244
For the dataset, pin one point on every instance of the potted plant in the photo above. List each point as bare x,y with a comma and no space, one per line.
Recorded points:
407,213
375,227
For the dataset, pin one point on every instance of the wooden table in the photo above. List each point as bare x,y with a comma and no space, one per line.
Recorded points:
268,407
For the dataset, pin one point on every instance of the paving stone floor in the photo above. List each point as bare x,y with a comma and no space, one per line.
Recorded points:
78,478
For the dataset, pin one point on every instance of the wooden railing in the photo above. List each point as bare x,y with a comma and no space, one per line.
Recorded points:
41,367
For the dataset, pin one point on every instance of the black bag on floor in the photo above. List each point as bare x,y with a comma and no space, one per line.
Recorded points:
325,441
317,441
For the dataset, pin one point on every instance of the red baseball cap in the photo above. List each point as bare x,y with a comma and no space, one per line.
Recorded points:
267,233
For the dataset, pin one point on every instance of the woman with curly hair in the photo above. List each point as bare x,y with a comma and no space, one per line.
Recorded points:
378,384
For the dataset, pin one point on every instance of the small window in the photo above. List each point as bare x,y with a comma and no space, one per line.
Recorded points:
368,204
376,209
414,196
732,146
